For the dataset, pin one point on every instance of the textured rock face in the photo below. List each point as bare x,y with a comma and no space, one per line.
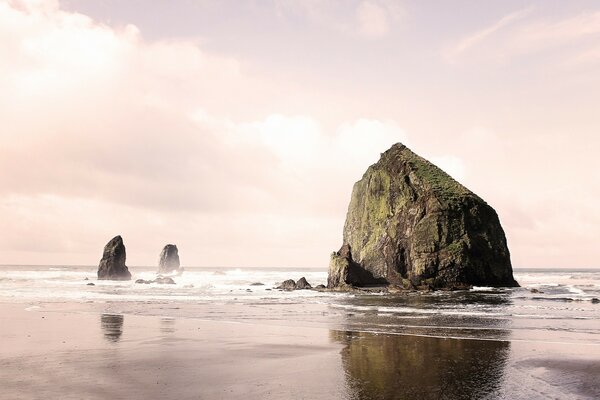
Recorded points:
344,271
112,265
168,260
410,224
303,284
288,284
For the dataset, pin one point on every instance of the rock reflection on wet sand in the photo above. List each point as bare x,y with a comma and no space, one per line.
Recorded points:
112,327
417,367
167,326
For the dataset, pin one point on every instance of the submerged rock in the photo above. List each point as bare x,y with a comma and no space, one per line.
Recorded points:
410,224
164,280
112,265
161,280
168,261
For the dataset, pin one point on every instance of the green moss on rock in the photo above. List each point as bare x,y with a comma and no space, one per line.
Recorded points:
410,221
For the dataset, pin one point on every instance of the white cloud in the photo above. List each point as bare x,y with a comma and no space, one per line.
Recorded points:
130,136
520,34
479,37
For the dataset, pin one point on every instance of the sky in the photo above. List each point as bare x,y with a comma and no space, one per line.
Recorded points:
236,129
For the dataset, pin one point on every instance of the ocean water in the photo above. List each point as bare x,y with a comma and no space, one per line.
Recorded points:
539,341
552,305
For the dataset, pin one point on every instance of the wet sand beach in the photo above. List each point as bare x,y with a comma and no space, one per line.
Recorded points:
56,355
54,352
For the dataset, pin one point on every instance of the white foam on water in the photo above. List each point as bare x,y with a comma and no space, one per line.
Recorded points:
192,285
567,297
483,288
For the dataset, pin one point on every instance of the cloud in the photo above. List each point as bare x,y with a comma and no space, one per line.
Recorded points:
475,39
543,33
519,34
545,206
107,133
104,132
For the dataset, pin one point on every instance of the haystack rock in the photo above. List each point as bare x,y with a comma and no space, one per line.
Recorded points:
168,261
112,265
410,224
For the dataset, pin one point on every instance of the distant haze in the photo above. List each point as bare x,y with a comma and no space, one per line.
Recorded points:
237,129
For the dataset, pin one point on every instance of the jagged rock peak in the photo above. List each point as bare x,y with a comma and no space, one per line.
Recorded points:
168,261
409,223
303,284
112,265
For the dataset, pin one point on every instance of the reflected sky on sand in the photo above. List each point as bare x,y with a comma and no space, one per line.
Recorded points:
416,367
112,327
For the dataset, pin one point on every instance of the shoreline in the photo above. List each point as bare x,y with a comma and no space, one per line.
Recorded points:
75,355
60,352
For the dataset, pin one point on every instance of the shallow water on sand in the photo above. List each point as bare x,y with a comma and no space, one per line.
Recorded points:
538,341
558,305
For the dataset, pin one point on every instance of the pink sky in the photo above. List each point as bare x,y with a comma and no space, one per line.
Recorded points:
236,129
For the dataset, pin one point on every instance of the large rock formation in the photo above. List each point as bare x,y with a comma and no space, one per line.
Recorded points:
168,261
112,265
410,224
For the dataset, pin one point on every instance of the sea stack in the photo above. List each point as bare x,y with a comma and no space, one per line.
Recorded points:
168,261
112,265
410,224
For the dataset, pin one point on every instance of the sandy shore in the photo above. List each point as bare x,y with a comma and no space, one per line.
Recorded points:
55,355
85,355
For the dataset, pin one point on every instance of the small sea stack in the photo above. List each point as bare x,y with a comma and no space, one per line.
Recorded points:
291,284
409,224
112,265
168,261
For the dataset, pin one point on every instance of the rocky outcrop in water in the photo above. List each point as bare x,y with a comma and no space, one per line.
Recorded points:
168,261
290,284
112,265
410,224
303,284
